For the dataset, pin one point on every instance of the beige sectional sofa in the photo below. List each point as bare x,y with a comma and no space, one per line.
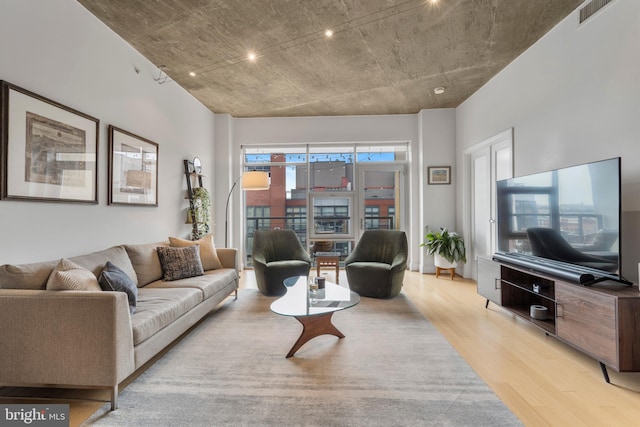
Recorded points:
89,339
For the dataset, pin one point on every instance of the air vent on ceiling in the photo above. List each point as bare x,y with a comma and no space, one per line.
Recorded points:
592,7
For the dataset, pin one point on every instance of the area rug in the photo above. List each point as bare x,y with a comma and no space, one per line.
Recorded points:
392,369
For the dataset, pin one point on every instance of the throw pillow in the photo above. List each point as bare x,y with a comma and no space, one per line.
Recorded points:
69,276
114,279
208,254
180,263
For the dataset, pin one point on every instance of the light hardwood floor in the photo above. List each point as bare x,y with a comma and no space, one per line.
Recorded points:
543,381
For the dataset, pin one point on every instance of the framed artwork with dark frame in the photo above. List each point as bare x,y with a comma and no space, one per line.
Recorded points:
438,175
48,151
133,169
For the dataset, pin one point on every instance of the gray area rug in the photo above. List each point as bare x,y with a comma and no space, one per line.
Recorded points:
392,369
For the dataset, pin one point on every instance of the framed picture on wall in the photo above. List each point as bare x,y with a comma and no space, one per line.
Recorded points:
49,151
439,175
133,169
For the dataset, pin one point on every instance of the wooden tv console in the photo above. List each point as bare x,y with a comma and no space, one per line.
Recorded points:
602,320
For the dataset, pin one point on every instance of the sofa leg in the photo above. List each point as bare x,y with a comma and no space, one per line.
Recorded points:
114,397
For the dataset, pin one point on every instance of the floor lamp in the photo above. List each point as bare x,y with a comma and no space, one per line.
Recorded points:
251,181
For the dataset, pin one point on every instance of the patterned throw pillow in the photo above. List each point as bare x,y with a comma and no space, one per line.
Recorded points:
180,263
69,276
208,254
112,278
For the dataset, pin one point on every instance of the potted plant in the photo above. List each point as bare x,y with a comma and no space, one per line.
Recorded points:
200,213
446,247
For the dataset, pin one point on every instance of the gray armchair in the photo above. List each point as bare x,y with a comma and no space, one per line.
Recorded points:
277,254
376,266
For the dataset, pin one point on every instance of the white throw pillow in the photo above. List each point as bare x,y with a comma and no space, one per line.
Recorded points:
69,276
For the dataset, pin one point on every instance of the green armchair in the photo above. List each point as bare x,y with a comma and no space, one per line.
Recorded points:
277,255
376,266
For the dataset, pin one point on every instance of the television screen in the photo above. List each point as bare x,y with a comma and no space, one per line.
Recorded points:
566,219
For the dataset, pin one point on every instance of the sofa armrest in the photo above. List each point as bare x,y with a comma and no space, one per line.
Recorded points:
228,257
71,338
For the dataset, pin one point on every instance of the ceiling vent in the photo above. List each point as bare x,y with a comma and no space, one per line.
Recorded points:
591,8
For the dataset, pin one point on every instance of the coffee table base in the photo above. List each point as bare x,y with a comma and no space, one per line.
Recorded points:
314,326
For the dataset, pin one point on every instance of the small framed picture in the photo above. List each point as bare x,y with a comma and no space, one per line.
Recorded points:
133,169
439,175
48,151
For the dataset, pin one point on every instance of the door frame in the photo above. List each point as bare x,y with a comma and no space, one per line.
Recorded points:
500,140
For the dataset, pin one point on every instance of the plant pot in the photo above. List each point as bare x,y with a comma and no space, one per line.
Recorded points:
442,262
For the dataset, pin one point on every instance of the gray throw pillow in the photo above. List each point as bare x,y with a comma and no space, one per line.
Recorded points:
112,278
180,263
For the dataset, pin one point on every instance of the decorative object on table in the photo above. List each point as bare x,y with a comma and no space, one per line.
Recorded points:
278,255
439,175
48,151
133,169
447,248
251,181
538,312
375,268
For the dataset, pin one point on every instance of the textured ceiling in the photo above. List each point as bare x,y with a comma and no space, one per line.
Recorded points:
385,56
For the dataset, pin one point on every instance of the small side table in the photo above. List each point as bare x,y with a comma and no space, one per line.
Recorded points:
452,272
328,260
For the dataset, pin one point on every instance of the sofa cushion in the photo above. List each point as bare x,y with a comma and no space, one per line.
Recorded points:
208,254
26,276
180,263
112,278
158,308
210,283
69,276
145,261
95,261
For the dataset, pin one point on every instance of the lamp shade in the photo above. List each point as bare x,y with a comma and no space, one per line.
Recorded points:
255,180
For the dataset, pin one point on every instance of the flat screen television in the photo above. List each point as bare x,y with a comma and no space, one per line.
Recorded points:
564,222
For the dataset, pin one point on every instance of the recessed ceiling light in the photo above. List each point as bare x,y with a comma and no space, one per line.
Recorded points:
439,90
251,56
328,33
192,73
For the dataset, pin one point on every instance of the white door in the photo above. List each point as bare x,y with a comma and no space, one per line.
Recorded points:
489,161
481,223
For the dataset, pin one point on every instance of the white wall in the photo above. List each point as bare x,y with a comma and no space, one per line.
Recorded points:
573,97
346,129
58,50
437,202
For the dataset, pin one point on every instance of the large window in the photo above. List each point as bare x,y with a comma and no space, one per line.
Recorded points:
313,191
332,216
296,219
258,218
372,217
